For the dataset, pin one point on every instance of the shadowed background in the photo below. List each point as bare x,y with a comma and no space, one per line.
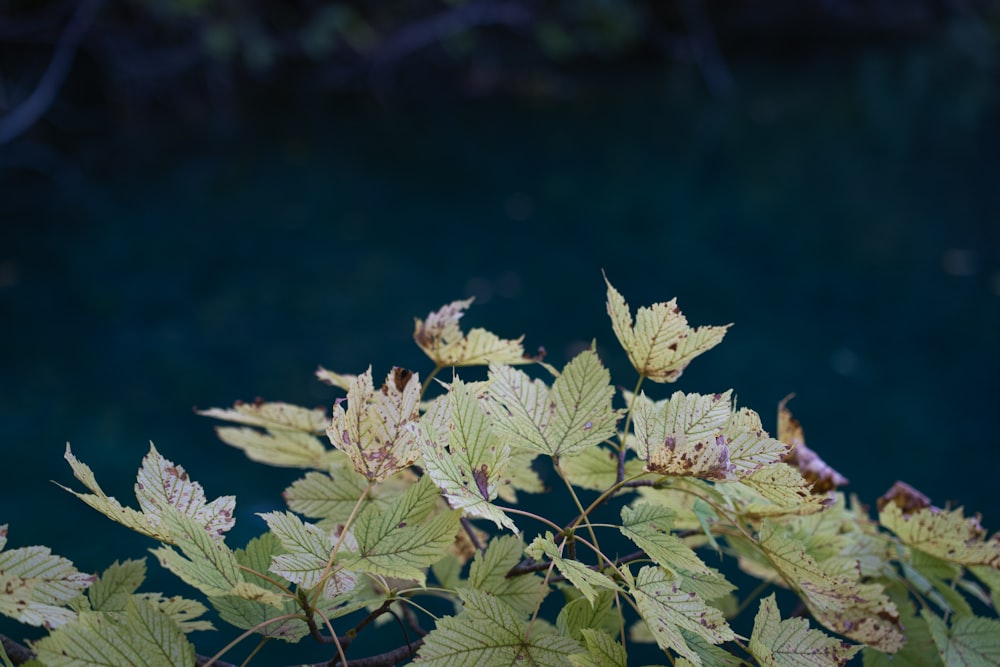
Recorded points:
838,204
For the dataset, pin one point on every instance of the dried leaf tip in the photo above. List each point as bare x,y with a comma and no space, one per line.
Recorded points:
659,342
821,476
441,339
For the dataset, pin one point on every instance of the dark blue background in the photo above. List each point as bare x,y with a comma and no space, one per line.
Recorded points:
842,212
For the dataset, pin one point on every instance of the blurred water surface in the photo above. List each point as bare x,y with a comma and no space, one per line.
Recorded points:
842,212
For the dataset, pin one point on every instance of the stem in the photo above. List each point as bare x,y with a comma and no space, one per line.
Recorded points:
225,649
576,500
327,571
628,423
536,517
427,381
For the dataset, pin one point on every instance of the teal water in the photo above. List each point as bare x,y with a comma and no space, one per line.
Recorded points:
842,212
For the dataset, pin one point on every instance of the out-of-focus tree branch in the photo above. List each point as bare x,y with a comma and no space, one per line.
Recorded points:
27,113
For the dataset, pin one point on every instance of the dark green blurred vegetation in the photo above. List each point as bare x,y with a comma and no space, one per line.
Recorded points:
199,56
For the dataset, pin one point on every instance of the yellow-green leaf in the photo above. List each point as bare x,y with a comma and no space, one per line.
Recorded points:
489,632
440,337
791,643
684,435
602,651
141,636
667,609
401,541
946,534
488,573
579,614
379,430
970,641
116,584
660,344
838,600
36,585
649,527
463,454
574,415
596,468
161,485
589,582
307,551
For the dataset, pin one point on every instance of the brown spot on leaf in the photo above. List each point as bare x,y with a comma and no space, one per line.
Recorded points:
401,377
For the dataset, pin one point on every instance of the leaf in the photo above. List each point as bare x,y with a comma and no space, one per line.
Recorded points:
288,449
488,632
207,563
668,609
784,489
574,415
35,585
790,643
440,337
181,610
946,534
330,497
380,430
750,447
837,600
589,582
141,636
660,344
520,476
401,541
684,435
649,527
971,641
596,468
116,585
488,573
579,614
160,485
463,455
273,416
919,650
602,651
307,551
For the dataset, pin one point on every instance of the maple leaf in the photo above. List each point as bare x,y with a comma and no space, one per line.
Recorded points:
790,643
463,454
584,579
489,632
35,584
160,485
836,598
380,430
574,415
946,534
660,344
669,610
440,337
684,435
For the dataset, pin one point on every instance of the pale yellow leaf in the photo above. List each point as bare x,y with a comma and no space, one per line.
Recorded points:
946,534
660,344
379,430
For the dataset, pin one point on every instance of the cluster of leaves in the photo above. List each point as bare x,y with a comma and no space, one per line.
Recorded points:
409,497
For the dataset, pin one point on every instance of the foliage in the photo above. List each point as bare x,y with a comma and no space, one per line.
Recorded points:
411,494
